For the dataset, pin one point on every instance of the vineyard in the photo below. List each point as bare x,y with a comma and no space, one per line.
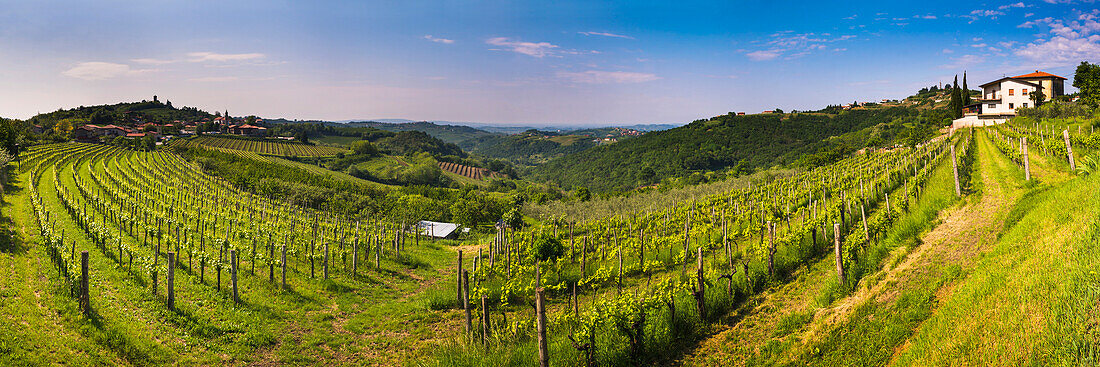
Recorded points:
467,171
268,147
203,265
155,261
634,270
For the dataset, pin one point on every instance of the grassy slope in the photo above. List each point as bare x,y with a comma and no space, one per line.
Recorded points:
1031,299
768,327
1005,279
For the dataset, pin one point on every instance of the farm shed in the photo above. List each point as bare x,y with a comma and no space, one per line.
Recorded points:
437,229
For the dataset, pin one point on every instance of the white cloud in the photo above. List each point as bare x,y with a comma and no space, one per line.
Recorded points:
924,16
606,34
214,79
947,51
979,45
964,61
607,77
976,39
851,17
217,57
791,45
534,49
763,55
439,39
1006,6
1062,51
97,70
149,61
1072,40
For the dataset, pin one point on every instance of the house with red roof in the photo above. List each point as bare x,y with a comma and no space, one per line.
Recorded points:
248,130
1000,98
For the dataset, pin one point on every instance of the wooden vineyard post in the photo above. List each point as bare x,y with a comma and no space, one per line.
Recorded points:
540,309
839,253
325,267
355,257
484,319
283,263
85,302
233,274
955,170
619,281
1027,164
863,216
458,281
466,304
171,281
1069,150
700,295
771,248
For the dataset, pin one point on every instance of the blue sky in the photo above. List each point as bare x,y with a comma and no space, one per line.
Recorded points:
521,62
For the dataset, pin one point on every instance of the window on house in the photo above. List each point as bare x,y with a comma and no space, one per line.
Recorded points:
1010,92
1023,92
1011,106
1024,105
992,105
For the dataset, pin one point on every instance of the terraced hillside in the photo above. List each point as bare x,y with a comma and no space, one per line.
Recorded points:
475,173
268,147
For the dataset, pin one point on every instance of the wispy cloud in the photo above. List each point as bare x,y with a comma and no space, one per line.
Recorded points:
218,57
1015,5
790,45
947,51
763,55
533,49
97,70
925,16
149,61
607,77
439,39
606,34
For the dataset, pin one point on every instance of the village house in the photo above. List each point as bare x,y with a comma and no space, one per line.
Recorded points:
248,130
1000,98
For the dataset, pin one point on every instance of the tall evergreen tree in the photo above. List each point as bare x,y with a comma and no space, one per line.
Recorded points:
965,92
955,106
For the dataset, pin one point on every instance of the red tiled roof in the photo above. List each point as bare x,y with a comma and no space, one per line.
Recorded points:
135,135
1038,74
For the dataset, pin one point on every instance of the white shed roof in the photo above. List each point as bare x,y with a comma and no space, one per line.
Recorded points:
435,229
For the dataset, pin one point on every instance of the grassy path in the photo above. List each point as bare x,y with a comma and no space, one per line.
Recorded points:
872,325
1031,299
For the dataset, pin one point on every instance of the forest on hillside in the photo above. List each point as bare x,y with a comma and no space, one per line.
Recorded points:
739,144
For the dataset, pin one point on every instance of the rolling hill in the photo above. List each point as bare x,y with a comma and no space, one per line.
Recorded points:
736,142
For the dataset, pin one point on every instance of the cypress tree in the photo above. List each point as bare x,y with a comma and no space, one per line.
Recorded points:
955,106
965,92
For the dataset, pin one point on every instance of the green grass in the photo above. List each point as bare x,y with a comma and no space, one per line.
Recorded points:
1031,300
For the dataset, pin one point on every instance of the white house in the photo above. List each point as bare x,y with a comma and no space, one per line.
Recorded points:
1000,98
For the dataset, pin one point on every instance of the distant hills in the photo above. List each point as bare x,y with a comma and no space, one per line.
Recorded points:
525,148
